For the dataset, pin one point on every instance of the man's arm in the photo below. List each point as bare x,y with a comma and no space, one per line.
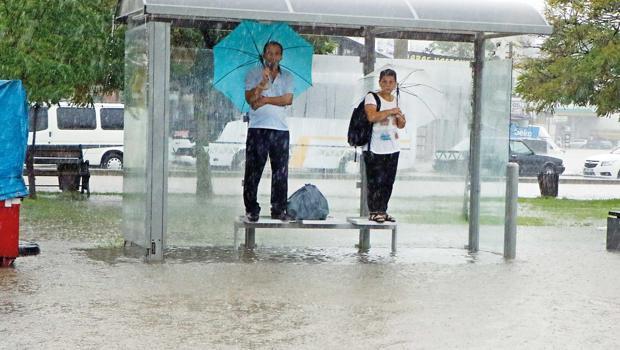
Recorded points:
252,95
284,100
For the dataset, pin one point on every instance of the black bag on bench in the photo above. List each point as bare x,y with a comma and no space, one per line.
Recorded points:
307,203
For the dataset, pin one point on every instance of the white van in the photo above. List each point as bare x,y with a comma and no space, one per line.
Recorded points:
98,128
315,143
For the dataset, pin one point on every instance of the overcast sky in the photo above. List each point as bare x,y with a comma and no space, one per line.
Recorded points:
538,4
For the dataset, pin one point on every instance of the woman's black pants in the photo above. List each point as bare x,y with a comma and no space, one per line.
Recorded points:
380,175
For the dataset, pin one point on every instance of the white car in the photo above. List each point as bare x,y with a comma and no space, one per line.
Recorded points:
606,165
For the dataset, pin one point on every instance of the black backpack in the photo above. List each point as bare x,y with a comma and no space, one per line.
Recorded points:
360,129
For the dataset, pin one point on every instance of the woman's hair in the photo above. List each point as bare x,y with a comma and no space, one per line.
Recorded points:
387,73
272,42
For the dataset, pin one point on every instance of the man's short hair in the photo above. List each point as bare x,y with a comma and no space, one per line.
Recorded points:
272,42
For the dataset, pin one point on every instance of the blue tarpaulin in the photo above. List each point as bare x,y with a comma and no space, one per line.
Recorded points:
13,138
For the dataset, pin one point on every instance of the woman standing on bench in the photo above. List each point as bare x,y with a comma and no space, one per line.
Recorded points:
382,156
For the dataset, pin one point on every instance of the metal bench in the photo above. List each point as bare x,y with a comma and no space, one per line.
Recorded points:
351,223
71,168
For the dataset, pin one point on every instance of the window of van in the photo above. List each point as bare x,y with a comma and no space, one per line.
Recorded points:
112,118
73,118
41,119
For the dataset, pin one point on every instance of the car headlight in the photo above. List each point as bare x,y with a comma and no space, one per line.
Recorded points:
608,163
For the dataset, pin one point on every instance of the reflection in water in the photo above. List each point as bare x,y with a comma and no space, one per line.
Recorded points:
293,255
76,296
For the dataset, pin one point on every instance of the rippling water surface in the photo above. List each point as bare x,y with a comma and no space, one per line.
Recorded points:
306,291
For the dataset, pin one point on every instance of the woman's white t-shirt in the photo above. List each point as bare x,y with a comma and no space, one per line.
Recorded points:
384,138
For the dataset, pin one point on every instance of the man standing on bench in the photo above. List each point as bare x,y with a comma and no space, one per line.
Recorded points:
268,90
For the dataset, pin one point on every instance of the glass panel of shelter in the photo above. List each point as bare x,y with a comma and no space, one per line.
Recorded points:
136,136
495,120
207,141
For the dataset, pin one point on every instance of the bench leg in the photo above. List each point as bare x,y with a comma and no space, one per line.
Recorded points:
364,241
235,235
249,238
394,239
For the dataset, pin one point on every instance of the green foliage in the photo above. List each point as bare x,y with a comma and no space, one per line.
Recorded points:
580,61
61,49
194,38
323,45
458,50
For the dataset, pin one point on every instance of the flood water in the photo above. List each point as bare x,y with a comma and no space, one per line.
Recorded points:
561,292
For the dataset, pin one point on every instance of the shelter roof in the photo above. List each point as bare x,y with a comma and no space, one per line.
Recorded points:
434,19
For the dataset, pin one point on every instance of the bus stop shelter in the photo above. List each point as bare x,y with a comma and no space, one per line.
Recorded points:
474,102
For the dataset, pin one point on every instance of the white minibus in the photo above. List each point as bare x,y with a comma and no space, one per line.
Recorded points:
98,128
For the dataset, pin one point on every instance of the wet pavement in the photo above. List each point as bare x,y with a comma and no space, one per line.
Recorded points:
560,293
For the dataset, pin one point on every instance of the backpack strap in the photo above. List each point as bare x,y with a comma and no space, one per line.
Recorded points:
376,96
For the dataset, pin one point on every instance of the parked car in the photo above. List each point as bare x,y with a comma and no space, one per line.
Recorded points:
530,163
542,146
606,165
599,144
577,143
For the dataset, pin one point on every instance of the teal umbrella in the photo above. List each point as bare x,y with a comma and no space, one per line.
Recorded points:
242,50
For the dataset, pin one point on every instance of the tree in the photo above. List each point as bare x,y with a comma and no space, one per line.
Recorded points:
580,61
464,51
61,50
323,45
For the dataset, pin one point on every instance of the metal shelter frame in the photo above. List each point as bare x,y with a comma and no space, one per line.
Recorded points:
438,20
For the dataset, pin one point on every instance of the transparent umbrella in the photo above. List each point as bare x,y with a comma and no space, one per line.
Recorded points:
411,93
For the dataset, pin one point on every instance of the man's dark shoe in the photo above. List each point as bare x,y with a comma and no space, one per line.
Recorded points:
251,217
282,217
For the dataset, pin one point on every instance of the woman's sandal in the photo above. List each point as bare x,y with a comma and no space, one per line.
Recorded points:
377,217
389,217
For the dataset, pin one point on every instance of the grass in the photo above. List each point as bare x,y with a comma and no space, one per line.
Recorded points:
564,212
59,216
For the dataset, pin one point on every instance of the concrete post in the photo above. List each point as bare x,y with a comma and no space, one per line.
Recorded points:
368,60
474,147
510,226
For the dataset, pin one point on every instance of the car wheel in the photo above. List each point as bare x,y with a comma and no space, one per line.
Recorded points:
238,162
113,161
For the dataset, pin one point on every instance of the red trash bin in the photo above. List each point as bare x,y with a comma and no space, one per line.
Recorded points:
9,231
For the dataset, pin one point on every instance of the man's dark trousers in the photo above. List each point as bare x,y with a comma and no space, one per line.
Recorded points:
261,143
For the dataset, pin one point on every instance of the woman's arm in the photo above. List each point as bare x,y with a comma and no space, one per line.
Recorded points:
376,116
401,121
